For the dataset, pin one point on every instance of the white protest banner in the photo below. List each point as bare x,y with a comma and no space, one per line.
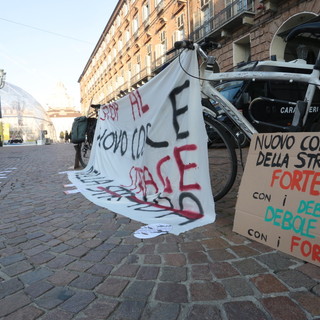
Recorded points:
149,159
279,196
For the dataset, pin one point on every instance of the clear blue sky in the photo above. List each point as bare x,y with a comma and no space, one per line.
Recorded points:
36,60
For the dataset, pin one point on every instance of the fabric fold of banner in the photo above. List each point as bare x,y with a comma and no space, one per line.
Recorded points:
149,160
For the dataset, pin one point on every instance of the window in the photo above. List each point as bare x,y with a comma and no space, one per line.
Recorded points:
159,5
137,66
146,11
203,3
127,36
148,63
180,21
162,36
196,20
229,9
206,15
120,45
159,54
244,5
135,24
120,80
118,21
161,48
104,65
99,52
177,35
125,9
241,50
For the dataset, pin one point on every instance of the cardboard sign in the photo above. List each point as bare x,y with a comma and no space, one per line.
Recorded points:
279,196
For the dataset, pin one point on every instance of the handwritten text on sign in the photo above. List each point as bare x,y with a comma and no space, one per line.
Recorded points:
283,202
150,152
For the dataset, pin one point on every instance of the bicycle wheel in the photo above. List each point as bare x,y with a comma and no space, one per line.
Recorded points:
240,138
222,157
85,151
86,146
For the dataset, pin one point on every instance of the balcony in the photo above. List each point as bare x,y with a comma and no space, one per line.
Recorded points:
141,77
120,91
135,81
135,34
146,23
158,63
239,12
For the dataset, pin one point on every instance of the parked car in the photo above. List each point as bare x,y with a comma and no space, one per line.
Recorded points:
15,140
242,93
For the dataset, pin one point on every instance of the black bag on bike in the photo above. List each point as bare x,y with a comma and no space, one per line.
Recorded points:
79,128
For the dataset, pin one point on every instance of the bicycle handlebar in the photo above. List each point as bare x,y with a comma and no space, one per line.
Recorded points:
185,44
206,44
209,44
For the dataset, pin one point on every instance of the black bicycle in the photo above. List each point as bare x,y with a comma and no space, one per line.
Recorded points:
86,146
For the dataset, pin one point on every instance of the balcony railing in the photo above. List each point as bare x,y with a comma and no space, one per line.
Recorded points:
135,81
144,74
146,23
158,62
233,11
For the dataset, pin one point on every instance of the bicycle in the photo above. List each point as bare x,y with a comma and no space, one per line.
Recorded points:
86,146
220,131
223,164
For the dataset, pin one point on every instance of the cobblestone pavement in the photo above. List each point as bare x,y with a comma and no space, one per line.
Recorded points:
62,257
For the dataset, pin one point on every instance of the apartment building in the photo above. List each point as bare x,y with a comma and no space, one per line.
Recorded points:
132,47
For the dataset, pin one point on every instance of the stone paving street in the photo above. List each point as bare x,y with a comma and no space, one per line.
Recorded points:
62,257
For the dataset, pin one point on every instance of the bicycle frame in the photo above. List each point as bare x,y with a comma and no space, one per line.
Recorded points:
207,75
233,113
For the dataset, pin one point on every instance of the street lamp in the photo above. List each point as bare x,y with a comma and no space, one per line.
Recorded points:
2,83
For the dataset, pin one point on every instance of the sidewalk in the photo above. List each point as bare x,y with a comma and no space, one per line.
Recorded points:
62,257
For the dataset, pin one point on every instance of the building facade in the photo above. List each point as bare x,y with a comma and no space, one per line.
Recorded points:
62,120
132,47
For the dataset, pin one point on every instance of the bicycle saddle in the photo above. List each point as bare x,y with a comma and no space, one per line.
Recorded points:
313,28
